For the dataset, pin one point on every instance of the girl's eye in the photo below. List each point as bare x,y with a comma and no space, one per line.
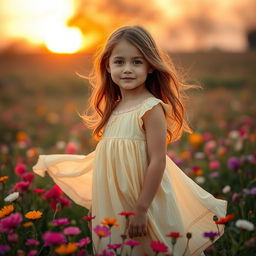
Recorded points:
118,62
137,62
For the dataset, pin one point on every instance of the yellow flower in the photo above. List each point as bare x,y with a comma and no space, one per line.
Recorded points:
195,139
66,248
110,222
4,178
33,215
6,210
27,224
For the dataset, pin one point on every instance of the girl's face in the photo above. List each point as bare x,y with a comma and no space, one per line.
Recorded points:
127,66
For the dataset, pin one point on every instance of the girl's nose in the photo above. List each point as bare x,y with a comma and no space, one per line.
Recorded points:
127,69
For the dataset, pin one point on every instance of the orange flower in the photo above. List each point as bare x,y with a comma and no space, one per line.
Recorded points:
27,224
33,215
21,136
110,222
185,155
6,210
225,219
4,178
195,139
66,248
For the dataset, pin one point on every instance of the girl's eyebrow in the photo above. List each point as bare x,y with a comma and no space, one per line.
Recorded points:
135,57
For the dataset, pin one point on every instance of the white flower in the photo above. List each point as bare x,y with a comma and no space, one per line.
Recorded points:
233,135
61,144
12,197
199,155
245,224
200,179
226,189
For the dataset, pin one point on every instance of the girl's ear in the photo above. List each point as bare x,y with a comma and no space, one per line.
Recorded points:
107,67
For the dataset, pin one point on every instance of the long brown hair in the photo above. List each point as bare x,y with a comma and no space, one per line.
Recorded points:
163,83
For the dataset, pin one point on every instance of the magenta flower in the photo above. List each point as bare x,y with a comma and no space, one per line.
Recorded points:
22,186
72,231
8,224
4,248
106,253
83,242
81,252
132,243
253,191
13,238
53,238
61,221
71,148
157,246
102,231
20,169
28,176
236,197
31,242
114,246
32,253
54,193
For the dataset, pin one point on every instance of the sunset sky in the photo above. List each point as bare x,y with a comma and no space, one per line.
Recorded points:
69,26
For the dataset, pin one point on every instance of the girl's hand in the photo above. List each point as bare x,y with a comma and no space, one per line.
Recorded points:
137,224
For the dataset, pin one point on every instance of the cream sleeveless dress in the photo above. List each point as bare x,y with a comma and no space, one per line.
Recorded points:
111,177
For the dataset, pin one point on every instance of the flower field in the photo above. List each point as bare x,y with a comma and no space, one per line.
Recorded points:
40,99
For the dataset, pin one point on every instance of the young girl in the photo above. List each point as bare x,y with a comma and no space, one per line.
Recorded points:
137,110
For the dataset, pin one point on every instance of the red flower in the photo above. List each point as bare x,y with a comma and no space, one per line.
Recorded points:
225,219
88,217
28,176
39,190
157,246
22,186
20,169
54,193
174,235
126,213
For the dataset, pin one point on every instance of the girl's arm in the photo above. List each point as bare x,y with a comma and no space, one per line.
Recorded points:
155,128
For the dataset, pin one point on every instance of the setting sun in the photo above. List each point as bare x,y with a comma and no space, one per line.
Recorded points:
64,40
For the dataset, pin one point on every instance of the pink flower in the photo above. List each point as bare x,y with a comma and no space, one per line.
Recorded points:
13,237
209,146
54,193
132,243
72,231
61,221
83,242
106,253
71,148
102,231
215,164
114,246
30,242
53,238
22,186
20,169
9,223
157,246
32,253
28,176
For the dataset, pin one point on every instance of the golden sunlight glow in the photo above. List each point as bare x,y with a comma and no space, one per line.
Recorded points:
63,40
